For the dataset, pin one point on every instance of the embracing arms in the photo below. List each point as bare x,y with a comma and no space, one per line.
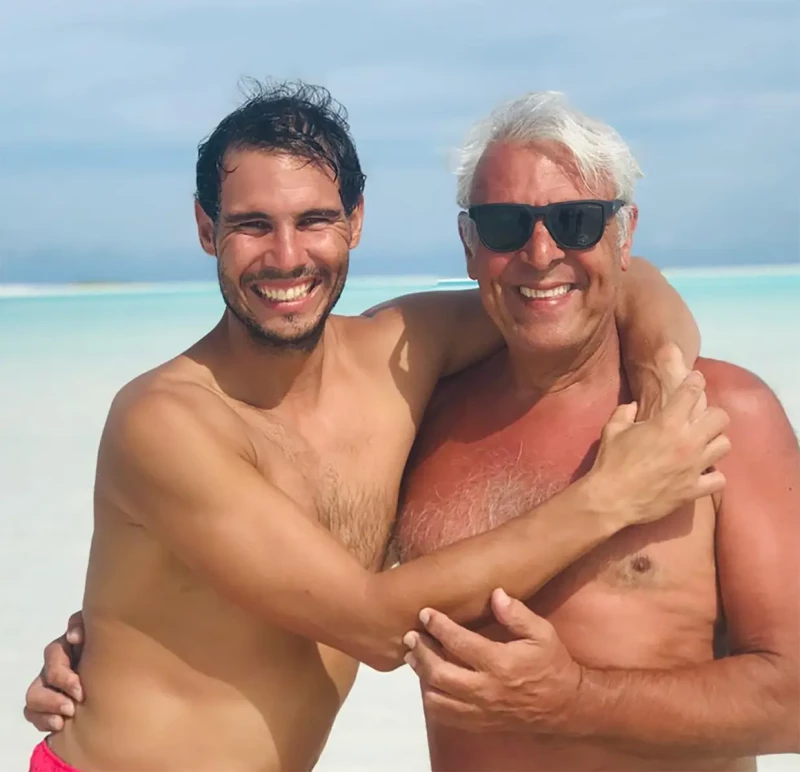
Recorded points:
452,329
177,471
746,703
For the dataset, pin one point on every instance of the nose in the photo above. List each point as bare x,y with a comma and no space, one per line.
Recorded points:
285,251
541,251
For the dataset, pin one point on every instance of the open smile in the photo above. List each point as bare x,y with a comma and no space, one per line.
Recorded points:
284,295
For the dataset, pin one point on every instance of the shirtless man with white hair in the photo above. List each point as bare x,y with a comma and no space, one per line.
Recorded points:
674,645
246,489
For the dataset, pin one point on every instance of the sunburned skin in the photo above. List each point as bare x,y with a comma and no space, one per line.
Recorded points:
647,598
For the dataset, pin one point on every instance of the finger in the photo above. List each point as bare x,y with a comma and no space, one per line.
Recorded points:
716,450
700,407
58,673
519,619
710,483
683,400
472,649
41,700
44,722
711,424
622,417
75,630
434,670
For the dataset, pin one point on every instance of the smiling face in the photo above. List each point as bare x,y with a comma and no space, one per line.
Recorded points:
282,242
543,298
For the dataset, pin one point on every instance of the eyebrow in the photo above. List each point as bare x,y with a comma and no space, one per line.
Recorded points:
240,217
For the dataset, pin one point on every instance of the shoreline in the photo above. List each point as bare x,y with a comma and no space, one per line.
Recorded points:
90,288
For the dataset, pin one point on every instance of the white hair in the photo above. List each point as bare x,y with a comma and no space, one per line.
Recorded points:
601,155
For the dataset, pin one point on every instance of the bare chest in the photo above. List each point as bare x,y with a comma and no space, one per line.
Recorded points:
342,472
459,491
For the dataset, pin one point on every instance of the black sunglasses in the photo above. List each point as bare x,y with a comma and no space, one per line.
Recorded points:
572,224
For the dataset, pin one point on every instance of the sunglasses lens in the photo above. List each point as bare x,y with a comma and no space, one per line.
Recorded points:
576,226
501,227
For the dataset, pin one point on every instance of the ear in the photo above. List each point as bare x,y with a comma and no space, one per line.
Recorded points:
356,223
625,252
466,233
205,230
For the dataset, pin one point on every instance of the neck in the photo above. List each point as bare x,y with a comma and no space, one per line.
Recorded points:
263,375
543,373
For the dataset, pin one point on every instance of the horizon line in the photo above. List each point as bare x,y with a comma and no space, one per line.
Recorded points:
48,289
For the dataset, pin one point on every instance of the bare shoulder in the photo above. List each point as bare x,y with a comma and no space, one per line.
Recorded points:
165,408
368,339
755,411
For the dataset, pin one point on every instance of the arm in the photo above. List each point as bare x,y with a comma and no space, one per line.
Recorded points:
177,469
455,331
451,328
747,703
653,320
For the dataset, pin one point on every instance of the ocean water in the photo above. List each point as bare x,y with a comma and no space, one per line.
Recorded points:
64,353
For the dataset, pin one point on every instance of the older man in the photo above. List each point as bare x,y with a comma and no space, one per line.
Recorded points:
672,646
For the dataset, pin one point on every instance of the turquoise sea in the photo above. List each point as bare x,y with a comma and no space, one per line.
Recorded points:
95,338
65,351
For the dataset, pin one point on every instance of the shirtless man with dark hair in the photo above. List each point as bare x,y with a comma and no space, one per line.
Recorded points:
246,489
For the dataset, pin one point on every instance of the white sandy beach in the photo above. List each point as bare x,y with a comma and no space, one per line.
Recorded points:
62,361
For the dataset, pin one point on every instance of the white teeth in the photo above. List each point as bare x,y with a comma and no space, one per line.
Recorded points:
555,292
292,293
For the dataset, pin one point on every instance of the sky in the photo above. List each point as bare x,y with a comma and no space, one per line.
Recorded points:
102,105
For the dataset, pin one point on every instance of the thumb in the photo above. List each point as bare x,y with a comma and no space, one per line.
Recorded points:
518,618
622,418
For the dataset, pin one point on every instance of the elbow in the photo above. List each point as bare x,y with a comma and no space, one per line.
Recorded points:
782,729
784,735
787,728
385,654
381,640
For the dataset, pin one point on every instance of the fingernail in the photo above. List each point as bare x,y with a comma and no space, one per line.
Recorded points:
77,693
56,723
410,639
501,598
72,636
410,660
425,616
68,709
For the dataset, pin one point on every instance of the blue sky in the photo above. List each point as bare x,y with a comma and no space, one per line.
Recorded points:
102,105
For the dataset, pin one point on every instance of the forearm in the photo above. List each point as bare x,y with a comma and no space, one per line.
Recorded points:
743,705
519,556
651,314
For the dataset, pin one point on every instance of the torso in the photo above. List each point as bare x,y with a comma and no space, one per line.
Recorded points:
176,676
647,598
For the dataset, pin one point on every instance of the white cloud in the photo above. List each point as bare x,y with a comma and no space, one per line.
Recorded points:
706,91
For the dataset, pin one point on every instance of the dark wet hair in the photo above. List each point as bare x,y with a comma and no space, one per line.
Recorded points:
295,118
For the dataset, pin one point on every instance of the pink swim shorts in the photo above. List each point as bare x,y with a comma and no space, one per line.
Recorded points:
44,760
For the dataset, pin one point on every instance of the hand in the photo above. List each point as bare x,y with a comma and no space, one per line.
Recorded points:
52,696
526,684
646,470
655,384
